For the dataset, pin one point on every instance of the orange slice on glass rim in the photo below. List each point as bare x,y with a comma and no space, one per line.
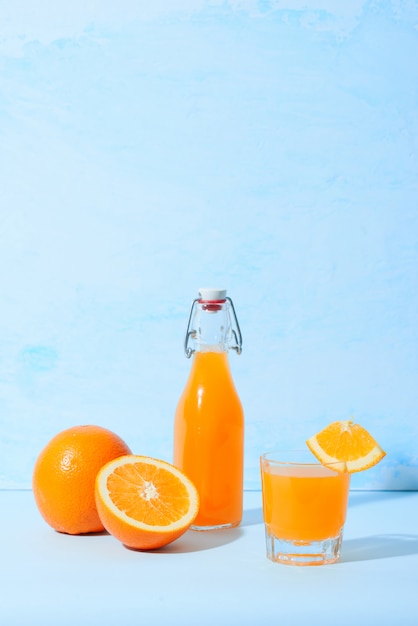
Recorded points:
347,445
146,503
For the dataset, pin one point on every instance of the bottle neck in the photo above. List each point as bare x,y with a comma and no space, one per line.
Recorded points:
212,327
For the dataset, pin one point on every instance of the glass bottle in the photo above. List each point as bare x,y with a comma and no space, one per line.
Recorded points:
209,419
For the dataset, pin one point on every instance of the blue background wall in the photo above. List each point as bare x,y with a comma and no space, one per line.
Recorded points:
268,147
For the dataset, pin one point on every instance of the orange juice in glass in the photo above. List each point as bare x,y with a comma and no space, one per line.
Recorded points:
304,508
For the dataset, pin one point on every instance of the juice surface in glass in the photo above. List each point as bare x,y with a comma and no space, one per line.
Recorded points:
304,502
208,439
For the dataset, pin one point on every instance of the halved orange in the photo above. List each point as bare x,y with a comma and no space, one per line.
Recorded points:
350,446
146,503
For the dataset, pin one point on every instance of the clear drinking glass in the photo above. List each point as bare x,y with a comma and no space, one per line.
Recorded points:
304,508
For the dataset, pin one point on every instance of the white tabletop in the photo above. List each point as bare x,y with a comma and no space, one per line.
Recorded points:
220,577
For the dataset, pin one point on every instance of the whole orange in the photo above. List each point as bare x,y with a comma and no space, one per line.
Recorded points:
64,477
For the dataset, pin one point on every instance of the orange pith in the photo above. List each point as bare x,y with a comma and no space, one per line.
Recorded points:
145,503
64,477
347,444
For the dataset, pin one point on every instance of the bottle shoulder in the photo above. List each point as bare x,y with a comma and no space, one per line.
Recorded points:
211,367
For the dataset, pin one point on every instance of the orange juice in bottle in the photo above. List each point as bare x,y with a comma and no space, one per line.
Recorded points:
209,420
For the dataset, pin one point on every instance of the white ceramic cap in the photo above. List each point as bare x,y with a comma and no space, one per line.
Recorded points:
209,294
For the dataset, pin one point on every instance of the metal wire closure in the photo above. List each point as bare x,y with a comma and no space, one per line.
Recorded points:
236,333
191,334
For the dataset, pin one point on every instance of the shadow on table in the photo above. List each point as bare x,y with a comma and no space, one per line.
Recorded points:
252,517
358,497
196,541
378,547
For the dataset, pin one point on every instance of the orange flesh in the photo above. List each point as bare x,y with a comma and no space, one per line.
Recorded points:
309,505
347,444
208,439
134,489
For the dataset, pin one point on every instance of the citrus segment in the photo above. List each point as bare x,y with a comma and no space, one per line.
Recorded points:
349,445
146,503
64,477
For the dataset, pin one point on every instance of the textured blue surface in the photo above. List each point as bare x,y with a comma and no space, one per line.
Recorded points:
268,147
